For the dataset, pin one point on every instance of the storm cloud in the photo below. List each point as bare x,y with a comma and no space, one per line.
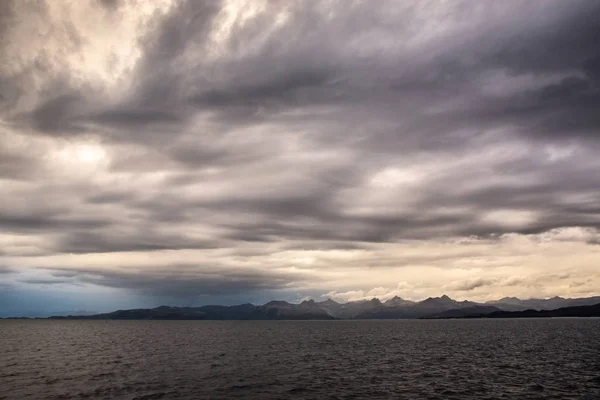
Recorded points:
229,148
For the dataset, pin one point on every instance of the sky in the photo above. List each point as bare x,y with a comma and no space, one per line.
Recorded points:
222,152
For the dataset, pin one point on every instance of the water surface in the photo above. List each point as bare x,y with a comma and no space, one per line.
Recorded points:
443,359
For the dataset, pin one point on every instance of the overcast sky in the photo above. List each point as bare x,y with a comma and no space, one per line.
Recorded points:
222,152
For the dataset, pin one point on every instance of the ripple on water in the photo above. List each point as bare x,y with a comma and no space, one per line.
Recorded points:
468,359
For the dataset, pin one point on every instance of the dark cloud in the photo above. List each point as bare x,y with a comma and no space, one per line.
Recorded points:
135,117
185,280
472,284
287,88
16,166
110,4
161,78
58,115
109,197
48,222
302,127
142,240
46,281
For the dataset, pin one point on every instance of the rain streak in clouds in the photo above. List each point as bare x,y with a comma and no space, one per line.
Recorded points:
195,152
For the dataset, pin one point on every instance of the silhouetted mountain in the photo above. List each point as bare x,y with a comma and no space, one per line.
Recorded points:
463,312
419,309
398,301
575,311
506,306
443,303
353,309
513,301
332,307
162,312
284,310
395,308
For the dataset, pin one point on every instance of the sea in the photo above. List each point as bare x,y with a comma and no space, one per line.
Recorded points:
374,359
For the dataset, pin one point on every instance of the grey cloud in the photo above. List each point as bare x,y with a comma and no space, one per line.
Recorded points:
514,281
16,166
561,38
134,117
578,284
160,82
73,115
79,242
57,115
472,284
63,273
109,197
273,138
287,88
110,4
46,281
313,213
48,222
186,280
565,44
562,110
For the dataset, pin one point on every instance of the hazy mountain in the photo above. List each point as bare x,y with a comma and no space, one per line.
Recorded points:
442,303
395,308
515,304
332,307
284,310
411,309
463,312
356,308
508,300
398,301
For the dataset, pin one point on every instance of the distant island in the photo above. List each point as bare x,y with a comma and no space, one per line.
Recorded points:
395,308
576,311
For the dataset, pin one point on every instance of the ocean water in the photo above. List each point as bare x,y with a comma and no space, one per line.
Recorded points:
442,359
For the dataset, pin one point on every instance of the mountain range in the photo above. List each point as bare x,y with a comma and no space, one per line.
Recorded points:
395,308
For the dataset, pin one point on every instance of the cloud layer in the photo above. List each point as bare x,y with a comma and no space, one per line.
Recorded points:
233,148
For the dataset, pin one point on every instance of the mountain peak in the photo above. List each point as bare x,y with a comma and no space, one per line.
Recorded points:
438,300
277,303
438,307
395,300
398,301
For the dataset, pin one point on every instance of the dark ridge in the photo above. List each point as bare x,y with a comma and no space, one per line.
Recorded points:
575,311
396,308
